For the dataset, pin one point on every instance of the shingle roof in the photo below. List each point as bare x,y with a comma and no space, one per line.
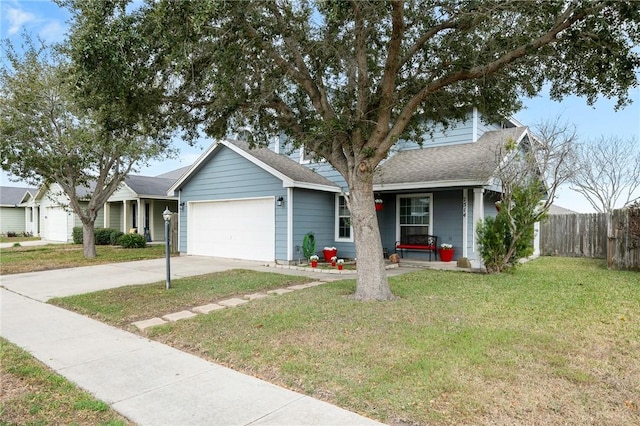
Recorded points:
10,195
149,185
475,161
174,174
284,165
560,210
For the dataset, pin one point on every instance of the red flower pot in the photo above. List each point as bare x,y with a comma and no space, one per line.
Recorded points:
314,263
446,255
328,254
340,266
378,207
333,263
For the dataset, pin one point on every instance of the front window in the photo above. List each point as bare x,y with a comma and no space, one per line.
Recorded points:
344,230
414,215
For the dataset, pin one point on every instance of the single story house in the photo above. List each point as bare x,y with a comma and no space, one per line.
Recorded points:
13,216
258,204
136,206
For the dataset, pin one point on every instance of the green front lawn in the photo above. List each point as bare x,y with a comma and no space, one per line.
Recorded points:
56,256
556,342
34,395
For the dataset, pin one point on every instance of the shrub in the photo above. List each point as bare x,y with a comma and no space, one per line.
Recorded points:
11,234
103,236
76,234
114,237
133,241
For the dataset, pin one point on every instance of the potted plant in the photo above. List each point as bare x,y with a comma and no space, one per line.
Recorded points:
314,260
378,202
446,252
333,260
340,263
329,252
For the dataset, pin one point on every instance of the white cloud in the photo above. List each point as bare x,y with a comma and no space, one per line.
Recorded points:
17,19
53,32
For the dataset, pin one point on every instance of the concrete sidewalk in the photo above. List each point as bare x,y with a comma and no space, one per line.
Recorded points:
148,382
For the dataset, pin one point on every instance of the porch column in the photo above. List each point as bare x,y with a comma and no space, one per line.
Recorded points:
107,215
140,214
465,223
289,206
478,215
125,215
28,219
36,221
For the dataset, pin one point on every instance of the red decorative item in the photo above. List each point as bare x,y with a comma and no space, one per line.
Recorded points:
340,266
314,263
446,255
333,263
378,207
329,253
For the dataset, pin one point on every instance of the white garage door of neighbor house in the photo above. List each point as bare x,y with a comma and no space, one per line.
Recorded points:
237,229
57,219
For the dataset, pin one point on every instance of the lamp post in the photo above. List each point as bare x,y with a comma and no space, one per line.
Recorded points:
166,214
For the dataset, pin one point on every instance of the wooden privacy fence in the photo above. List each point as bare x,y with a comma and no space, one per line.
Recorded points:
585,235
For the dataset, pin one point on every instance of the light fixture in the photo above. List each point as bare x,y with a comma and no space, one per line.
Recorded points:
166,214
182,206
280,201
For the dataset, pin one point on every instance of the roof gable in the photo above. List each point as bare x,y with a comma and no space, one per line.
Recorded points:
11,195
282,167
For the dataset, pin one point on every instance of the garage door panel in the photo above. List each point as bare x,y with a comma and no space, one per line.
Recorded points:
57,224
238,229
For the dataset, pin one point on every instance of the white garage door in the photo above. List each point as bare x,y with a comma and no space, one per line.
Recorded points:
57,222
236,229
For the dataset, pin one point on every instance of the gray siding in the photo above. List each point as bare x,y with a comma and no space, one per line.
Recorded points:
229,176
12,219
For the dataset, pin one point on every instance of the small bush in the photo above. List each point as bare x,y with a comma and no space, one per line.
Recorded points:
114,237
76,234
103,236
12,234
133,241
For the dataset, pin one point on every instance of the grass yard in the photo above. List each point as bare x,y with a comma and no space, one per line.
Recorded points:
15,260
5,239
32,394
122,306
556,342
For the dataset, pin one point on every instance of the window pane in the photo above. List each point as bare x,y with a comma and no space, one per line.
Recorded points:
414,211
344,219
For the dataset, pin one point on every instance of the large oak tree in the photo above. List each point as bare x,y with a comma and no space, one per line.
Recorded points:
348,79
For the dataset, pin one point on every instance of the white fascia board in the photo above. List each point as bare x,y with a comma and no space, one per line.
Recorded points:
315,187
205,155
158,197
428,185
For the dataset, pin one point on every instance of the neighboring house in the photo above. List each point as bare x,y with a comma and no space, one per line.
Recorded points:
560,210
13,215
136,206
258,204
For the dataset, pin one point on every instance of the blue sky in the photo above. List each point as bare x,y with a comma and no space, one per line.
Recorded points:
47,21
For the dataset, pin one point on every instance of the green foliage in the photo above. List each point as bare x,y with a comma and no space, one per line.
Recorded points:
76,234
103,236
309,245
492,238
114,237
133,241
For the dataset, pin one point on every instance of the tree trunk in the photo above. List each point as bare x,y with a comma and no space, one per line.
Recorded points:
88,239
372,283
